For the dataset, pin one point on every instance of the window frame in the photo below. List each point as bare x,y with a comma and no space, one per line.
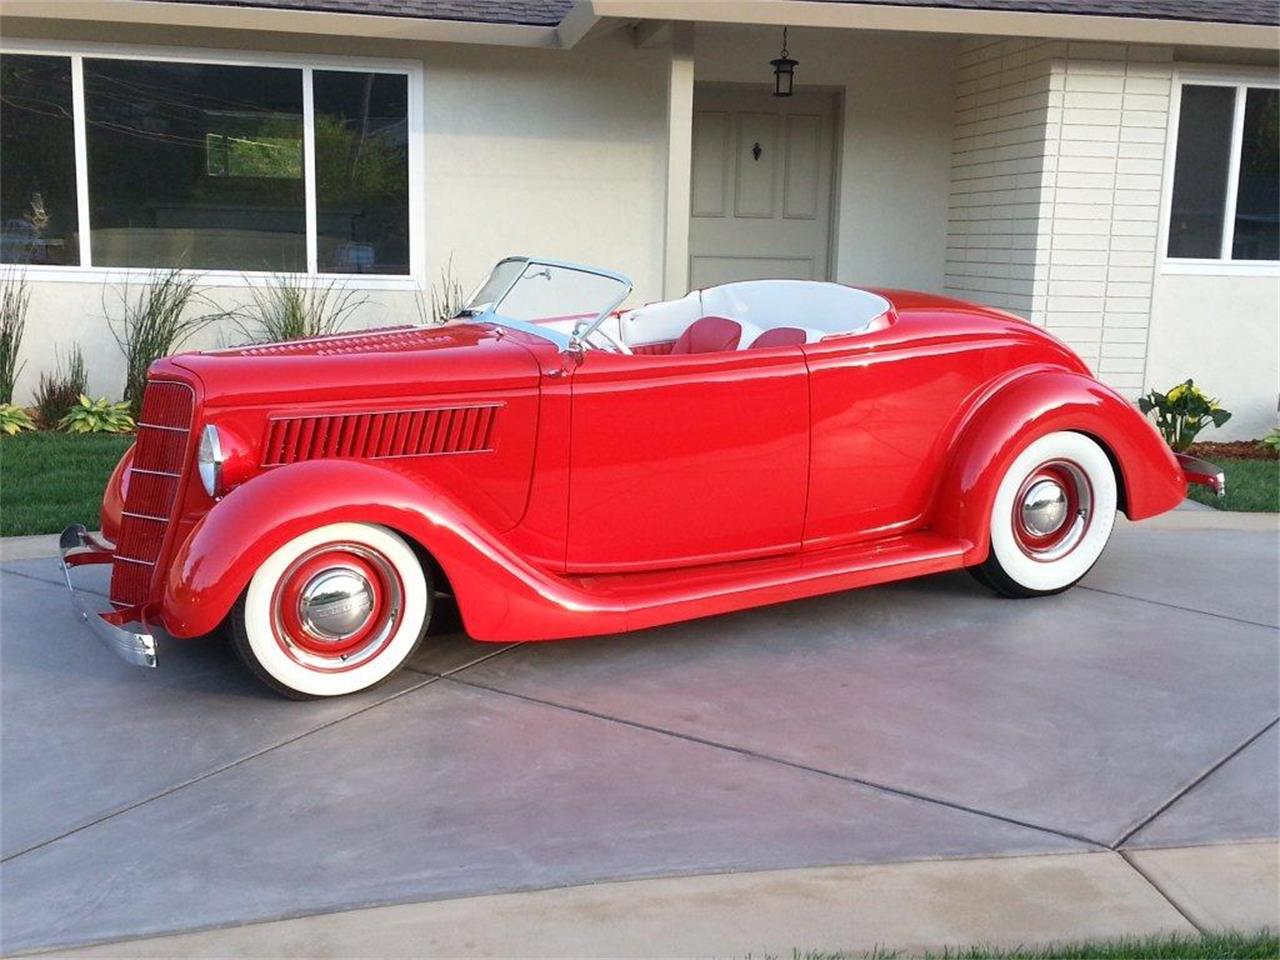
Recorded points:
1241,79
306,64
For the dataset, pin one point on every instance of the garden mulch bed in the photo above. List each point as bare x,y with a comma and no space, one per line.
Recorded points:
1233,450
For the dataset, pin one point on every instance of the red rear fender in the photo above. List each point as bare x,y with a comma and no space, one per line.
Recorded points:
493,586
1031,406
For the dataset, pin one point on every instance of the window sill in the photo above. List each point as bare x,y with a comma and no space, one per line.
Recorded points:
210,278
1222,268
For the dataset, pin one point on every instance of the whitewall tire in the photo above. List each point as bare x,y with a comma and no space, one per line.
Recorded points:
1053,514
335,610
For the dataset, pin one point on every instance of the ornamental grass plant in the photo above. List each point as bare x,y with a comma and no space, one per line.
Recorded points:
153,322
290,307
15,297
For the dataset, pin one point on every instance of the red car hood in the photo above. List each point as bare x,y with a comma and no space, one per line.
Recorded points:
386,363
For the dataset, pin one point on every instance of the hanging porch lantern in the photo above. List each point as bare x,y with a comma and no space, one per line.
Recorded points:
784,70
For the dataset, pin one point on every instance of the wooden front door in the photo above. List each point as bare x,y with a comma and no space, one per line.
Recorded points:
762,182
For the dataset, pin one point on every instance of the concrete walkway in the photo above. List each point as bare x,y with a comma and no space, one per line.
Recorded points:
911,907
1094,735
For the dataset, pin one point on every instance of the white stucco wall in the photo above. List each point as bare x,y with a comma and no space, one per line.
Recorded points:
526,151
894,173
1225,333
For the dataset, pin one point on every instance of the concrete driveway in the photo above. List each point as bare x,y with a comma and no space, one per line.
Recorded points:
915,721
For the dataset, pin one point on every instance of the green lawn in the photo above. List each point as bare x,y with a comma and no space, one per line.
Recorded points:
48,480
1252,486
1236,946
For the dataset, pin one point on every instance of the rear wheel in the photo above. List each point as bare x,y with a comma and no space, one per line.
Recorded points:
1053,514
335,610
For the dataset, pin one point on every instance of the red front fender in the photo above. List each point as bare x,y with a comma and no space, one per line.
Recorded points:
494,587
113,496
1031,406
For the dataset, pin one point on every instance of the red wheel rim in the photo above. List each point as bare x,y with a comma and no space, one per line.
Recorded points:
375,613
1054,487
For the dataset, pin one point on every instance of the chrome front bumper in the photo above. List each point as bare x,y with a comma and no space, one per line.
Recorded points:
78,548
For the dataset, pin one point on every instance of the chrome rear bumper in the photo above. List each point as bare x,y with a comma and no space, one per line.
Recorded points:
78,547
1202,473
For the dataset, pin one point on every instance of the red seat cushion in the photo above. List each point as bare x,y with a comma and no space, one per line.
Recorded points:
779,337
709,334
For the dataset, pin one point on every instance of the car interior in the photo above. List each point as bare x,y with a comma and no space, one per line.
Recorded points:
748,315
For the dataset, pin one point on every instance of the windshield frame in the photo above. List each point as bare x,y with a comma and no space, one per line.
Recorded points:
581,330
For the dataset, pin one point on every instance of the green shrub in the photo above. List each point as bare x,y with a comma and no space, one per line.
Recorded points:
1182,413
58,391
14,419
288,307
15,297
1272,440
153,322
97,416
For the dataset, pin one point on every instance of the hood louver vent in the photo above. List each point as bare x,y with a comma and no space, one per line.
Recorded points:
386,340
372,436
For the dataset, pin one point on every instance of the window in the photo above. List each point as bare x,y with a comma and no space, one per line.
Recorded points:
362,172
38,165
211,166
195,165
1225,202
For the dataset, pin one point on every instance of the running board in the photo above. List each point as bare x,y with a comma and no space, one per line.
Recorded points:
658,597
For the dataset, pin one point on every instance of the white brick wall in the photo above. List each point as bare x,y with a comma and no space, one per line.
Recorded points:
998,155
1056,181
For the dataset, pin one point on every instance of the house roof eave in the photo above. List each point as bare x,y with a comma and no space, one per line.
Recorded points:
290,20
949,20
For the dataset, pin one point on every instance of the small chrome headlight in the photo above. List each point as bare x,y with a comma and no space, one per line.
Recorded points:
209,460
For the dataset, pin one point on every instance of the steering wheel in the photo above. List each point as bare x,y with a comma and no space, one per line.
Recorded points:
610,343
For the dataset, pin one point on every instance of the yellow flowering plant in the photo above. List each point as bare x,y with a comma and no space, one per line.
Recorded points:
1182,413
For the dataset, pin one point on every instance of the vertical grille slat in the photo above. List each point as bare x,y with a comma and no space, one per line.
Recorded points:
164,435
376,436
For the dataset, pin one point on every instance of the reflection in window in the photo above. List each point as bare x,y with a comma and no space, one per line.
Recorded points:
1257,226
195,165
362,172
37,154
1196,215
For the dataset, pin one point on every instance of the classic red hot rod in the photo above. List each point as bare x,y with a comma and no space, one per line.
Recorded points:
562,467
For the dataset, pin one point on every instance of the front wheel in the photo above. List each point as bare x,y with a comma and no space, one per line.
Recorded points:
335,610
1053,515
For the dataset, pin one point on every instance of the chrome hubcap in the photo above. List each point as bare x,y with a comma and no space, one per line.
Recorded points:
1044,508
336,603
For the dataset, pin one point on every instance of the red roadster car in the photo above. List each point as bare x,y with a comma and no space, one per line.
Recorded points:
561,467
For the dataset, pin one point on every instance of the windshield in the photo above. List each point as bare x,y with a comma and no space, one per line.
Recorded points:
561,301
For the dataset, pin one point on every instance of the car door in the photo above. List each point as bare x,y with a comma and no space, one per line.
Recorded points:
885,405
686,459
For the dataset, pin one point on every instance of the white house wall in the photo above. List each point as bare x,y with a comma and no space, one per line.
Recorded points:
1225,333
545,152
893,174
